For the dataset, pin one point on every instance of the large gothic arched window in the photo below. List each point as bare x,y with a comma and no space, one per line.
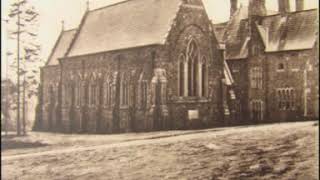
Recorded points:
192,72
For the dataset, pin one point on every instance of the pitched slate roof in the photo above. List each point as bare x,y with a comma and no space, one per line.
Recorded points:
294,31
60,48
236,34
220,30
127,24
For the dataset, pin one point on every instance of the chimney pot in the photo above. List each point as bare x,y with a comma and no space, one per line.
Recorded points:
234,7
62,25
284,6
257,8
88,5
299,5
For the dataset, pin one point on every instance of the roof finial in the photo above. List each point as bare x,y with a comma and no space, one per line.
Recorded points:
88,5
62,25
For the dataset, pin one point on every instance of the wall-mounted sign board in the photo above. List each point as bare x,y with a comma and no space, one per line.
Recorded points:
193,114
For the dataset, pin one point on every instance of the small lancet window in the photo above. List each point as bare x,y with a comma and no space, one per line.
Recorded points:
181,75
280,67
204,76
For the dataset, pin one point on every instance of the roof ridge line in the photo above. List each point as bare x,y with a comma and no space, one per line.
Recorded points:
76,34
312,9
172,21
110,51
70,30
54,47
110,5
293,12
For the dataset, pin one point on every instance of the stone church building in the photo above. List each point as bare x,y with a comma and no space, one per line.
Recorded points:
146,65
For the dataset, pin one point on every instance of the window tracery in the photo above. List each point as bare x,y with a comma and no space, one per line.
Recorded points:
286,98
192,71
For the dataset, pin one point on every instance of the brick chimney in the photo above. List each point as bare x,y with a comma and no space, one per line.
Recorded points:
284,6
234,7
257,8
299,5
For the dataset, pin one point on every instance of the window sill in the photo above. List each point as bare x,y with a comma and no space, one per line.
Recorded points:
288,110
190,100
124,107
93,107
107,107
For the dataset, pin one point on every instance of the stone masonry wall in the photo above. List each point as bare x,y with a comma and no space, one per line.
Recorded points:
138,65
293,76
103,67
50,82
192,22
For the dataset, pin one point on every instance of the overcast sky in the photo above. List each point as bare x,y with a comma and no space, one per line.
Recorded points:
52,12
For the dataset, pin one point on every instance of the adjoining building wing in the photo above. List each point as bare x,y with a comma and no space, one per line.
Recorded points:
236,37
125,25
295,31
61,47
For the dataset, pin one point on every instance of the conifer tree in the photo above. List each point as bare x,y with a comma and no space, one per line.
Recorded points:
23,20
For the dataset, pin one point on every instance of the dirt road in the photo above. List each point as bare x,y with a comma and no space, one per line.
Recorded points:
278,151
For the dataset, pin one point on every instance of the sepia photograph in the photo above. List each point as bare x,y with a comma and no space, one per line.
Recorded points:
159,90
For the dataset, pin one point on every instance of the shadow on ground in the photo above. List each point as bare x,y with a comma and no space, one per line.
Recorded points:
10,142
